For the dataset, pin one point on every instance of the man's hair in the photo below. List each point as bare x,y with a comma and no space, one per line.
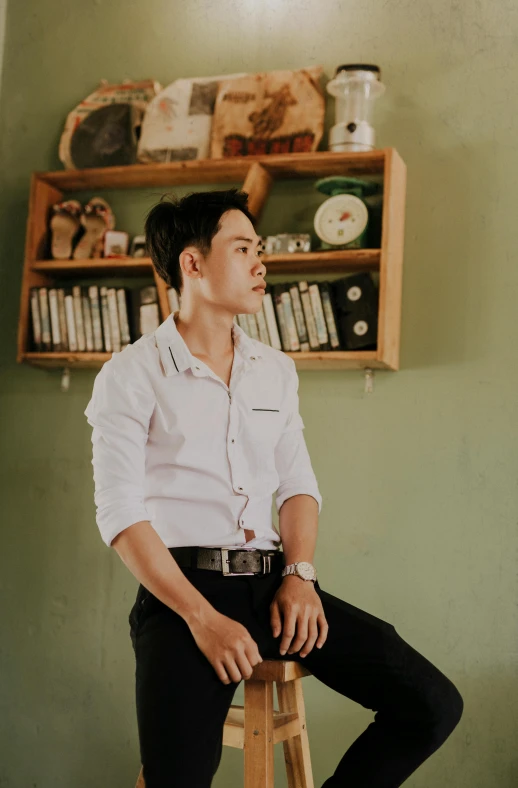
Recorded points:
172,224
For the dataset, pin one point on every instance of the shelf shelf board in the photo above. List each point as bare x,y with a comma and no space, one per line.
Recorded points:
286,165
290,263
128,266
336,359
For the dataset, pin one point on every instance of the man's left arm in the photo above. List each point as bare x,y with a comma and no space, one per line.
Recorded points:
298,503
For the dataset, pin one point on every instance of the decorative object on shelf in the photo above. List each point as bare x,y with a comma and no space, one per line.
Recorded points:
138,246
272,112
178,121
287,242
103,129
355,87
341,222
116,243
97,217
65,223
356,304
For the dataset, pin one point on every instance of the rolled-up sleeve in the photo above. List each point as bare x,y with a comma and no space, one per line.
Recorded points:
119,411
292,459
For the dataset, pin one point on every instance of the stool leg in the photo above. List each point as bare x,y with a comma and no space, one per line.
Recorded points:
258,750
296,749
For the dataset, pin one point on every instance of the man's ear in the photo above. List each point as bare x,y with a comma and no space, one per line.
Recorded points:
190,262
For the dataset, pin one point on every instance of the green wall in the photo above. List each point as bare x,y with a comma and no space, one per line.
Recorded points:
418,479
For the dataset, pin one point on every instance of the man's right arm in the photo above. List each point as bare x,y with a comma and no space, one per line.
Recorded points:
120,411
148,559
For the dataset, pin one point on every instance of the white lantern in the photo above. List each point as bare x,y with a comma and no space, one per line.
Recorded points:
355,87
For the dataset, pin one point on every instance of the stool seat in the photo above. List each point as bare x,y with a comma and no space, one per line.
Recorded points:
256,727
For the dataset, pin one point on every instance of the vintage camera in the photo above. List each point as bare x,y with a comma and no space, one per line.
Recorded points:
287,242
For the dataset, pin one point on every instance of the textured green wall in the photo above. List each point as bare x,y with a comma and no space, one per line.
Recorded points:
419,479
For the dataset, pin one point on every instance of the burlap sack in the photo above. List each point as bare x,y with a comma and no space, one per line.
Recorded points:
177,124
273,112
103,129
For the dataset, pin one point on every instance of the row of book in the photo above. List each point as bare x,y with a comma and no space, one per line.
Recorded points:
91,318
294,316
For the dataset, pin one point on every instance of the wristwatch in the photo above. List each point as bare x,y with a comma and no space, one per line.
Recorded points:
302,569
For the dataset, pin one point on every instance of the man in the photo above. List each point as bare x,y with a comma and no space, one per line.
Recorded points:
195,427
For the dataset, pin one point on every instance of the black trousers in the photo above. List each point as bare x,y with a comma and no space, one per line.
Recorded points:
182,704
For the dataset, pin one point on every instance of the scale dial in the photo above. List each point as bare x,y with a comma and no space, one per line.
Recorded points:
341,219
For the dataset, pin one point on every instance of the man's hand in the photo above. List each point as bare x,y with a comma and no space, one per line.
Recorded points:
302,614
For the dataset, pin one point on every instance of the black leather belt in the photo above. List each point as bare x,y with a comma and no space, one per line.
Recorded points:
229,561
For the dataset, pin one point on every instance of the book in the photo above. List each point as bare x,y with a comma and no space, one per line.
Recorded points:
298,312
78,316
95,307
113,315
87,320
105,320
122,308
46,336
326,294
261,326
35,320
271,322
311,325
71,320
277,291
318,311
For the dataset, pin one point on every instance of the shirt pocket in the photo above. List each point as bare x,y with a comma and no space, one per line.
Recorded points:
265,423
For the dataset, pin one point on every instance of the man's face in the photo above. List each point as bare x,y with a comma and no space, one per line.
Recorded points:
234,266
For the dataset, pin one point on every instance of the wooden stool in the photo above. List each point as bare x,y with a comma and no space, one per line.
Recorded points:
256,727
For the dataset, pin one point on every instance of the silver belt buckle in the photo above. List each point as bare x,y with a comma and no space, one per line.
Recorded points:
264,558
225,565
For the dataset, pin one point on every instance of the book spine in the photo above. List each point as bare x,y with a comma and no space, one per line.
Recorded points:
87,321
123,317
252,324
93,295
46,336
173,298
314,344
54,319
299,317
279,310
327,303
78,314
271,323
36,320
261,325
105,319
114,319
62,318
291,327
242,322
71,321
318,311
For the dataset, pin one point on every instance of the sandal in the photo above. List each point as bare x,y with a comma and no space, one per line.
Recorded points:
97,217
64,224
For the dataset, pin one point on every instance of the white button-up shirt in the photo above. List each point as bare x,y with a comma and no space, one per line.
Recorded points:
173,444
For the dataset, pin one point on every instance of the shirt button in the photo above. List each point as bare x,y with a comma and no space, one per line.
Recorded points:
197,367
232,440
253,358
239,488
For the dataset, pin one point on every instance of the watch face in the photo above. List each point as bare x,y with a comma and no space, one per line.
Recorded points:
341,219
305,570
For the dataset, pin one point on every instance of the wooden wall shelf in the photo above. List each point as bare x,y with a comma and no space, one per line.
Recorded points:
258,174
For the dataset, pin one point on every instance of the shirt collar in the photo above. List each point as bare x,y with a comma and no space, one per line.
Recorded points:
176,356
